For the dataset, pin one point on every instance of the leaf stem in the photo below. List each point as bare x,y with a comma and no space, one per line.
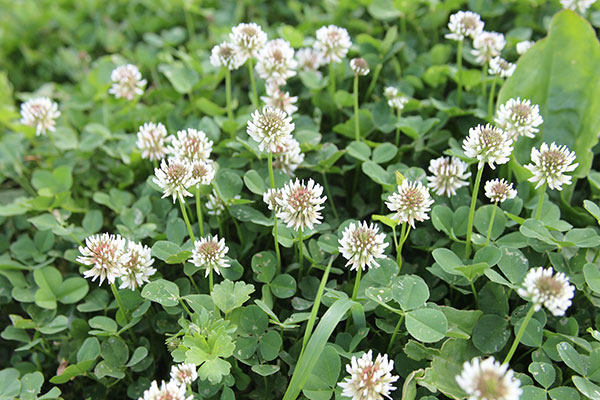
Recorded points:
459,71
199,211
373,80
228,95
520,333
272,180
356,117
398,114
489,231
300,253
472,209
356,283
253,84
187,220
491,99
329,195
115,291
538,211
396,330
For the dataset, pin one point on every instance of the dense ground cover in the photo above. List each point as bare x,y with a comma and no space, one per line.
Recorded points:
350,199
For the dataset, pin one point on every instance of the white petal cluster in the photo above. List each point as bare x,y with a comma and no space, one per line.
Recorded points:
369,380
449,175
138,269
410,202
395,99
487,45
210,253
488,380
301,204
184,374
499,190
276,63
106,254
248,40
464,24
332,43
309,59
174,177
41,113
191,144
225,55
270,197
544,288
288,157
271,128
152,140
577,5
168,390
214,204
127,82
488,144
523,46
361,245
359,66
549,165
279,99
502,68
519,117
203,172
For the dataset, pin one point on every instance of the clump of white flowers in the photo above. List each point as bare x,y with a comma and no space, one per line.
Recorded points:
544,288
151,140
499,190
502,68
359,66
191,144
280,99
300,204
577,5
369,380
523,46
127,82
488,144
549,165
464,24
203,172
174,177
215,205
270,197
288,157
395,99
226,55
138,269
362,245
168,390
276,63
332,43
271,128
247,40
519,117
411,202
487,45
41,113
184,374
106,254
449,175
309,59
210,253
488,380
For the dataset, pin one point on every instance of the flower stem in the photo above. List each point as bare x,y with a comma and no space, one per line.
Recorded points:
489,232
398,113
373,80
403,236
356,117
538,211
228,94
199,211
475,297
272,180
483,79
472,210
210,280
356,283
491,99
300,253
253,84
331,80
187,220
115,291
459,71
396,329
520,333
329,195
187,310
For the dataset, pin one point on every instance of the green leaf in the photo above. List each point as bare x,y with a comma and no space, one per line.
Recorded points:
162,291
427,325
103,323
491,333
31,384
410,291
447,260
89,350
572,358
228,296
228,183
359,150
283,286
214,370
72,290
181,77
593,209
10,386
114,351
254,182
72,371
543,373
164,249
269,345
587,388
384,152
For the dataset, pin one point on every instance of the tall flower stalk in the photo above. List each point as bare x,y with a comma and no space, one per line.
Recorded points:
360,67
498,191
272,181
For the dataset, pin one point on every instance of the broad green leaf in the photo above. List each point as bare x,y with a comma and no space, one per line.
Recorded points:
283,286
427,325
491,333
543,373
228,296
162,291
410,291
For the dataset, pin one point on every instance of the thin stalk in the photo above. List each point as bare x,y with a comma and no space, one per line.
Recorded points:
253,84
329,195
396,330
155,164
398,113
403,236
475,297
356,283
489,231
113,287
300,253
228,95
538,211
187,310
373,80
272,180
520,333
472,210
199,211
210,280
187,220
356,118
331,78
459,68
395,241
194,283
483,79
491,99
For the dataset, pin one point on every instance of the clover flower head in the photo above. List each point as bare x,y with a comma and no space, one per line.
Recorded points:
369,380
499,190
545,288
524,45
549,165
488,380
309,59
577,5
166,391
247,39
271,128
519,117
288,157
463,24
203,171
174,177
395,99
191,144
210,253
226,55
502,68
333,43
184,374
362,245
151,140
107,256
411,202
138,269
279,99
488,144
449,175
276,63
487,45
40,112
359,66
270,198
127,82
301,204
214,204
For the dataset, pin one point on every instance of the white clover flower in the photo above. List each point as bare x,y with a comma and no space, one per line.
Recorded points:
151,140
499,190
174,177
361,245
191,144
271,128
210,253
214,204
488,380
138,269
309,59
463,24
488,144
395,99
301,204
550,164
41,113
248,40
276,63
127,82
279,99
107,256
332,43
523,46
226,55
203,171
270,198
487,45
502,68
519,117
167,391
359,66
288,157
577,5
184,374
411,202
369,380
544,288
449,175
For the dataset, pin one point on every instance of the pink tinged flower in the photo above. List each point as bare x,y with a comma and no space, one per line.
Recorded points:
449,175
411,202
519,118
41,113
214,204
276,63
152,140
362,245
301,204
487,45
544,288
226,55
488,380
166,391
127,82
309,59
184,374
359,66
203,171
174,177
499,190
271,128
270,198
247,40
210,253
369,380
106,255
332,43
138,269
549,165
191,144
279,99
502,68
488,144
464,24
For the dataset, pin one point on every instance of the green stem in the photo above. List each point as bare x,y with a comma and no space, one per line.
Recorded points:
187,310
483,79
403,236
538,211
356,117
373,80
331,79
272,180
329,195
115,291
253,84
155,164
187,220
459,71
520,333
300,253
356,283
193,282
491,99
396,242
228,94
210,280
474,294
396,330
489,231
472,210
398,113
199,211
